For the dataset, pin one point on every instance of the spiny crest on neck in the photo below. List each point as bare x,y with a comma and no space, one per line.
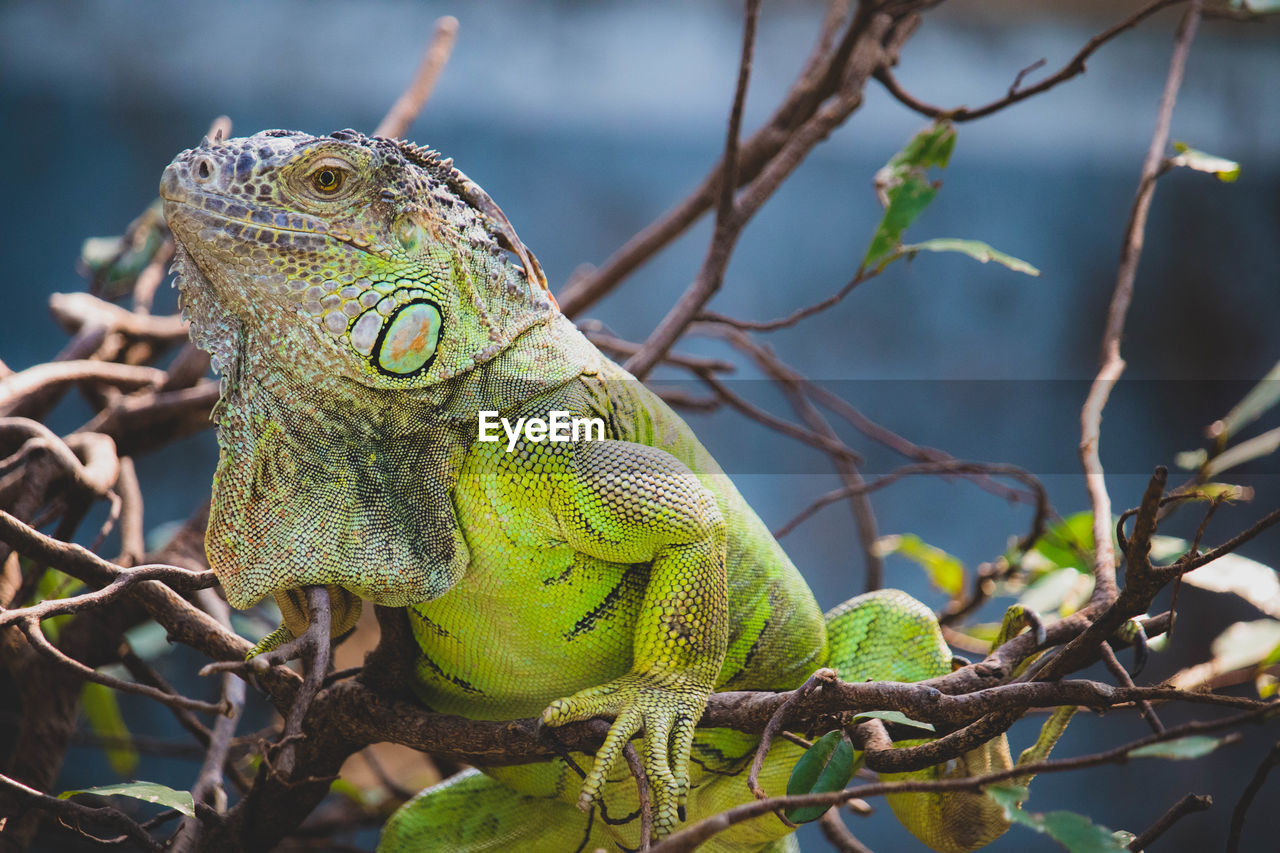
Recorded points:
443,170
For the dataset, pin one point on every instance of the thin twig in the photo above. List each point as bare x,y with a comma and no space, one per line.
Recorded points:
41,644
642,795
71,814
1074,67
1122,675
619,346
797,315
1104,565
17,388
690,837
838,835
1247,796
814,683
819,79
956,466
395,124
1185,806
834,447
208,787
728,225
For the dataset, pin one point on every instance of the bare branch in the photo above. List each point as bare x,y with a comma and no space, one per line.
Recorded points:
18,388
729,222
1246,798
1185,806
396,123
73,814
1074,67
1104,565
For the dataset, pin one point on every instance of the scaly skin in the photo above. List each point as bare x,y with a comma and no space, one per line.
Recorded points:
357,299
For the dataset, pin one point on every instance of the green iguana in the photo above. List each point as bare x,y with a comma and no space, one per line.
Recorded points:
359,300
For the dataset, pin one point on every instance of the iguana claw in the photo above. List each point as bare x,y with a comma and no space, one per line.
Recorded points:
666,713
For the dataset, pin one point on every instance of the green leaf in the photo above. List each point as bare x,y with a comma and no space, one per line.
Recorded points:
945,571
1192,746
1230,573
150,792
905,189
897,717
1059,589
975,249
103,713
1260,398
1073,831
1245,643
1190,460
1241,646
1245,451
907,200
114,263
1069,543
1225,170
930,147
826,766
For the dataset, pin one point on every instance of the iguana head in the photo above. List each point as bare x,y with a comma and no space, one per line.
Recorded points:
366,258
355,293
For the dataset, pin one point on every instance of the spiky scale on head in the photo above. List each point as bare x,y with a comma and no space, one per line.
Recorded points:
392,253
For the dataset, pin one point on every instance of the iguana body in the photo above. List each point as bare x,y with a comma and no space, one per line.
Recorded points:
358,301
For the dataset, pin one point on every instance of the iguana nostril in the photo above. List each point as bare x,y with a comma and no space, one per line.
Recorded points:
203,169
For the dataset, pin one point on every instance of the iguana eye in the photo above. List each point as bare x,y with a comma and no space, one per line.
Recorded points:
328,179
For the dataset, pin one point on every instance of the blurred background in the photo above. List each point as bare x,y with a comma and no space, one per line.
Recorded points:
585,121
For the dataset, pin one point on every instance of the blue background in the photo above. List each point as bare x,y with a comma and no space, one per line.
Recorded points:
586,121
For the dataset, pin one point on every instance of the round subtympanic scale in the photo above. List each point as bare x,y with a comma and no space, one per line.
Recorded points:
411,338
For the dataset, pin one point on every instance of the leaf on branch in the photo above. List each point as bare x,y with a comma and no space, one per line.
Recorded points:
945,571
826,766
1225,170
114,263
1069,543
1192,746
102,710
1242,645
897,717
975,249
905,190
1266,683
1245,451
1260,398
1063,590
1073,831
149,792
906,201
1230,573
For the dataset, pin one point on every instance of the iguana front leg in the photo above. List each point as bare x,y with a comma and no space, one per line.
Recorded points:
630,503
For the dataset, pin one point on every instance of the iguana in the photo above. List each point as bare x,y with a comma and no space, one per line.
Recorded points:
364,303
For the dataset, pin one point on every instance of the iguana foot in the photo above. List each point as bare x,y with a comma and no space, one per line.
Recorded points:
667,711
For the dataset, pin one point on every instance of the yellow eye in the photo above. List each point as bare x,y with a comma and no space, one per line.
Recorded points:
328,179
